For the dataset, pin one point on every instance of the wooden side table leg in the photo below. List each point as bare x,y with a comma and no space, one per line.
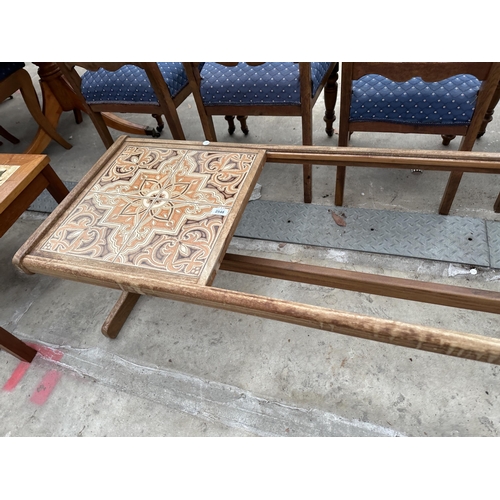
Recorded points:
16,347
56,186
119,314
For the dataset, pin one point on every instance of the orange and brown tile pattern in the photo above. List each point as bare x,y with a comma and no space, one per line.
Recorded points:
161,209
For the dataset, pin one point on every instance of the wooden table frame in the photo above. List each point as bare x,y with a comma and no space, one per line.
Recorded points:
16,194
58,96
468,346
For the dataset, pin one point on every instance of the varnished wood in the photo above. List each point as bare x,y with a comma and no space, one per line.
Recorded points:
487,73
386,286
166,106
451,343
304,109
19,191
442,161
119,314
16,195
331,89
21,80
488,117
134,281
21,203
16,347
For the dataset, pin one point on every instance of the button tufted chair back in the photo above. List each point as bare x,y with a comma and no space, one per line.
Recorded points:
448,99
265,88
150,88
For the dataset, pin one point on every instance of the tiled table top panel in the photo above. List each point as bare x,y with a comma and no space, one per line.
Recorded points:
157,208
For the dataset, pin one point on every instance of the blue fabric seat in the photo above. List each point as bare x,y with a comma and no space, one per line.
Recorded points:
274,83
152,88
448,102
446,98
130,84
264,89
7,68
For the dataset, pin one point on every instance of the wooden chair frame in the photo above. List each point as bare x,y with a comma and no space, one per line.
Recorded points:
304,109
166,106
488,73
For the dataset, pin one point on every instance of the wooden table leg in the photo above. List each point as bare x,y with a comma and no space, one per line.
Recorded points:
16,347
56,186
52,110
58,96
119,314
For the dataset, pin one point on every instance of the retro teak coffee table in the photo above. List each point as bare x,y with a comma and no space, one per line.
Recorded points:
156,217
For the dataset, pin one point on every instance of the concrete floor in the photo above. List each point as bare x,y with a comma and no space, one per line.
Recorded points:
183,370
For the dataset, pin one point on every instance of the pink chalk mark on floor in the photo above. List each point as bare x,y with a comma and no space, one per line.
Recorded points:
16,376
22,367
45,387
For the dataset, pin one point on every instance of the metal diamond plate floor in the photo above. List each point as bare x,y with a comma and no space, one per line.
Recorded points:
460,240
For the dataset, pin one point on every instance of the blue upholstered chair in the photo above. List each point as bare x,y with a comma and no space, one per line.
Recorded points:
150,88
14,77
271,89
448,99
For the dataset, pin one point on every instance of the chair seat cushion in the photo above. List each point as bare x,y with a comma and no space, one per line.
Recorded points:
7,68
275,83
130,84
448,102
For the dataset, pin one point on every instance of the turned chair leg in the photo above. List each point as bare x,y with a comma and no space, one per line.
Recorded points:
331,89
243,123
447,139
230,122
232,126
159,121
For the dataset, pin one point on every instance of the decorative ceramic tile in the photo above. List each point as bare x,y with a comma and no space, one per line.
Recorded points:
177,239
6,171
139,171
155,208
98,226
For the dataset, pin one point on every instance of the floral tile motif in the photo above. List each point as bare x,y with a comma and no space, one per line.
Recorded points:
177,239
220,174
139,171
98,226
155,208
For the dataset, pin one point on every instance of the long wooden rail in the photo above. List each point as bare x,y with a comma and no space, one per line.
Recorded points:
134,282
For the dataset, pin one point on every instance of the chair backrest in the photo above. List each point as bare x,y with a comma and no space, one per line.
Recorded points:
152,70
487,73
193,70
165,104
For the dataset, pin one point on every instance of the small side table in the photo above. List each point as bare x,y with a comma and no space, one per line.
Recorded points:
22,179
